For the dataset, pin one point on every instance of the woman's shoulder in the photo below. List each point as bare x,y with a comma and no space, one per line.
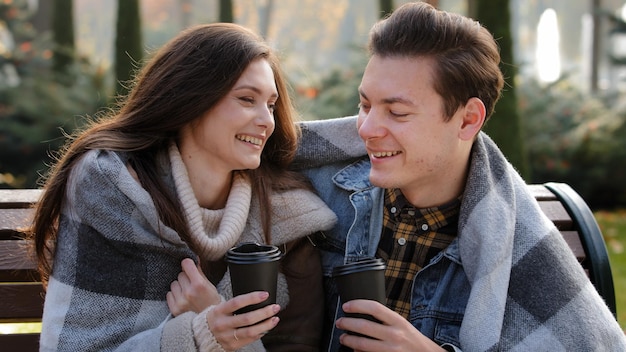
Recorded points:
100,170
100,164
100,161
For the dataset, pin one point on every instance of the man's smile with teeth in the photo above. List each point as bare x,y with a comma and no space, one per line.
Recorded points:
384,154
249,139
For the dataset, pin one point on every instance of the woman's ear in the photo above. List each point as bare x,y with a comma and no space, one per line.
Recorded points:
473,119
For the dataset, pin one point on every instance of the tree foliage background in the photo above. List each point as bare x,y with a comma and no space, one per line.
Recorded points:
36,105
569,136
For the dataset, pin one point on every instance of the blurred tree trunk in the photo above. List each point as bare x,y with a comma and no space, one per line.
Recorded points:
505,126
471,8
185,13
128,46
63,35
226,11
596,5
385,7
265,16
42,19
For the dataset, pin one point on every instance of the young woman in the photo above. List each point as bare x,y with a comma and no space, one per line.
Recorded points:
192,163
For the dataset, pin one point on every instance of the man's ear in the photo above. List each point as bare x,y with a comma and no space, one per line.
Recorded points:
473,118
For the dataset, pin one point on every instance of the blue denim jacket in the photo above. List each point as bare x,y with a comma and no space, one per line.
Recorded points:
440,290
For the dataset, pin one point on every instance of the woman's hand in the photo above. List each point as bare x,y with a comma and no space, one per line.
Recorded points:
192,291
234,331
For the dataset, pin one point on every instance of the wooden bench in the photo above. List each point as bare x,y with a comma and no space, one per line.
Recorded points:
21,293
581,232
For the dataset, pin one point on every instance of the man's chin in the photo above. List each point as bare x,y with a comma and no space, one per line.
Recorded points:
380,181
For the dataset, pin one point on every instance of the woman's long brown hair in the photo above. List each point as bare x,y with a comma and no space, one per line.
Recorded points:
184,79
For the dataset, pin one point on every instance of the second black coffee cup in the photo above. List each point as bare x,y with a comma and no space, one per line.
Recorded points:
254,267
364,279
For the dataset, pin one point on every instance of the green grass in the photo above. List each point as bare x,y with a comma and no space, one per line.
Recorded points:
613,226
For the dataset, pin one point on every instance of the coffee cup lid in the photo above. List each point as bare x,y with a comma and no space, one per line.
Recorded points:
361,265
253,252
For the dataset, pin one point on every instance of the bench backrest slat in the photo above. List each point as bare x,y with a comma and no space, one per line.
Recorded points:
18,198
12,221
16,262
574,243
21,302
19,342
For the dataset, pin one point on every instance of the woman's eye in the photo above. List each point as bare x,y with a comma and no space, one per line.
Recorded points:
247,100
271,107
397,114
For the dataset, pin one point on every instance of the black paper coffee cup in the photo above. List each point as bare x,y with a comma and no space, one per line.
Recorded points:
364,279
254,267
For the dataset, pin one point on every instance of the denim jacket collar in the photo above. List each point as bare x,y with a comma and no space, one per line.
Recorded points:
354,177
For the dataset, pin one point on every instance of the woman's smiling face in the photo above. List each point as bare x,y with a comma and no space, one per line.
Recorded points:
232,135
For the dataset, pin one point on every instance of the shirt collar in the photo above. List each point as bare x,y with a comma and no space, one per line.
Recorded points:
434,217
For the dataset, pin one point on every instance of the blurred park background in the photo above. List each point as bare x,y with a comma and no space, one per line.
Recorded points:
562,116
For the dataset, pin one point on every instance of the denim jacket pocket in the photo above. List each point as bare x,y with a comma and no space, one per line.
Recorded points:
447,331
440,295
440,327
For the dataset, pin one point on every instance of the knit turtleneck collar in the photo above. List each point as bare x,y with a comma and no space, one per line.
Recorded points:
213,232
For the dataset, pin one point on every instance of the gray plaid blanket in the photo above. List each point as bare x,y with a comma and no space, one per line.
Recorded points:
528,291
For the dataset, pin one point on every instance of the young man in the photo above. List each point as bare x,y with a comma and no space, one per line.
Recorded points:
472,262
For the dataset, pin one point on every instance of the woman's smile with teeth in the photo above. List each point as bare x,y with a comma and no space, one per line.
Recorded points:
384,154
249,139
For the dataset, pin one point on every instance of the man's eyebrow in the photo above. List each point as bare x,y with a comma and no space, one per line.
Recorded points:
390,100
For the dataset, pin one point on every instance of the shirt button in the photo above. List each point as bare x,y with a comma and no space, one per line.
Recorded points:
401,241
411,212
393,210
424,227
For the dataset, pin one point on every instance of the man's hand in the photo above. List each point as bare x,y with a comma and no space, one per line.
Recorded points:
394,333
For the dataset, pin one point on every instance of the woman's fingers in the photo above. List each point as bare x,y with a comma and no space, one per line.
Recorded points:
171,304
256,331
238,302
191,270
191,291
175,298
256,316
233,331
